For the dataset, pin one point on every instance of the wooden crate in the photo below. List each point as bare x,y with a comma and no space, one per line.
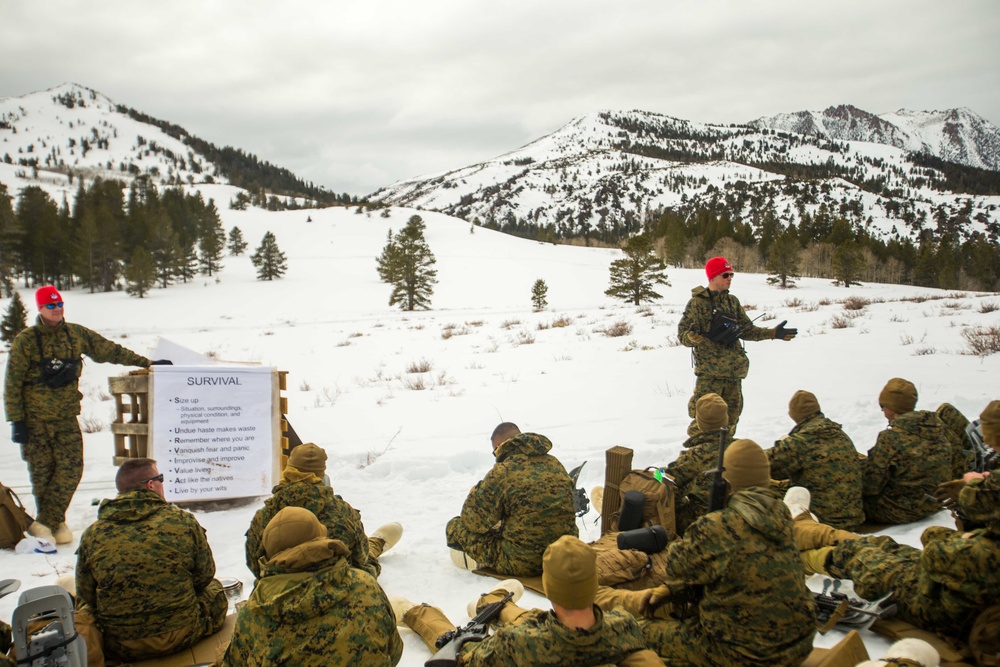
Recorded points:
132,406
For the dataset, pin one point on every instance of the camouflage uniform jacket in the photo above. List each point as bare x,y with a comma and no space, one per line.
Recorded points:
941,588
701,453
310,608
713,359
26,396
538,638
963,456
903,469
342,521
526,497
818,455
755,606
142,565
979,500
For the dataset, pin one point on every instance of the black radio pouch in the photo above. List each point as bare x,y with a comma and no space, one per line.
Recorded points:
57,373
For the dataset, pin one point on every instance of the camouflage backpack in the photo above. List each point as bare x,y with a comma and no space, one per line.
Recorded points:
660,494
14,520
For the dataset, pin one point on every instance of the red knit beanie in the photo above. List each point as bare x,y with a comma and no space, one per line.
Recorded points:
717,265
47,294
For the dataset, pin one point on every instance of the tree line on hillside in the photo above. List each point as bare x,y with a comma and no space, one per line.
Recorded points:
110,239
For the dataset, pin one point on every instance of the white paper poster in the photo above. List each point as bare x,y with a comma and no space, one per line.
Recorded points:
212,430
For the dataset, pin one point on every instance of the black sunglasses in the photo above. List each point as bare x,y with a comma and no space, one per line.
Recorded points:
158,478
728,275
53,306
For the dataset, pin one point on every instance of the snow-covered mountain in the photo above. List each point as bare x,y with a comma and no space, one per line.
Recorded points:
601,174
53,136
955,135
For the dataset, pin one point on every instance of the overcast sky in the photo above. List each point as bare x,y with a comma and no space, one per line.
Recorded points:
357,95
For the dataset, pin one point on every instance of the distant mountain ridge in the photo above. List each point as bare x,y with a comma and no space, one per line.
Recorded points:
956,135
76,130
602,174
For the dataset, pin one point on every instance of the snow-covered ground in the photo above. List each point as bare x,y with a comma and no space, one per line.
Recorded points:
408,446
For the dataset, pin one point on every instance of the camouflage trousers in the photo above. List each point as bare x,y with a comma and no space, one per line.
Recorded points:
731,391
213,606
54,454
685,644
877,565
493,550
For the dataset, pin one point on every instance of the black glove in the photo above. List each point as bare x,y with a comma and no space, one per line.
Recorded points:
19,432
161,362
784,333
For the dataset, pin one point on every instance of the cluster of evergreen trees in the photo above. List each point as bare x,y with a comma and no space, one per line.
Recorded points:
143,238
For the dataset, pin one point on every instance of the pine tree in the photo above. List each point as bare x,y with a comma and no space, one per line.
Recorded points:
538,293
633,277
236,243
212,240
14,319
269,259
140,273
187,262
783,261
846,265
9,233
405,263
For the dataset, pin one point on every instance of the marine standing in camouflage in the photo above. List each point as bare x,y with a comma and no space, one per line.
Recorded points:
146,571
53,448
903,469
304,489
719,368
818,455
524,503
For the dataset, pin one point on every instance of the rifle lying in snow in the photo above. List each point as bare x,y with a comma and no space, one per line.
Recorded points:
450,643
835,608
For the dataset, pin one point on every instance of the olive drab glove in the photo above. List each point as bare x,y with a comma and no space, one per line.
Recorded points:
783,332
695,338
947,493
19,432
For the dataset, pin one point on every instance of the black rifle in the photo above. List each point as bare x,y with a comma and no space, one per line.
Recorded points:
835,608
717,498
450,643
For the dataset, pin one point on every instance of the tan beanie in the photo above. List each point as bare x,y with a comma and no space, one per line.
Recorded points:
989,421
899,395
746,465
569,573
308,457
802,406
711,413
289,528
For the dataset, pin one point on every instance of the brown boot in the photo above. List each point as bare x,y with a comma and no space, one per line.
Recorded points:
814,560
428,622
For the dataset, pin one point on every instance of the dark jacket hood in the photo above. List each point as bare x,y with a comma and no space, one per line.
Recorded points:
529,444
130,506
764,512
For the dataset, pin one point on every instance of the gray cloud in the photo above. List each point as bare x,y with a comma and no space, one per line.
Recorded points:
356,95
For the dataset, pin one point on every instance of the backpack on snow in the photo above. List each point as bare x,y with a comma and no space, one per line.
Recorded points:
14,520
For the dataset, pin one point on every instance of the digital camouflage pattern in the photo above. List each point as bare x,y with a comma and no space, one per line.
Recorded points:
25,395
522,505
305,490
903,469
941,588
54,455
538,638
963,457
145,568
719,368
310,608
700,453
754,608
979,500
54,452
818,455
